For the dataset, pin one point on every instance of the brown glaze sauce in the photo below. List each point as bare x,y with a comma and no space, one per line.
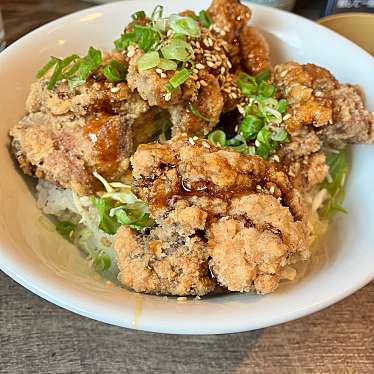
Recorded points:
104,134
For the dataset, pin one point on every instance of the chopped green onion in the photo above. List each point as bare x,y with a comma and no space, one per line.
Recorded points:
250,126
263,76
279,134
114,71
334,184
167,64
204,18
107,223
148,61
265,89
140,14
65,228
125,40
196,113
146,37
178,50
179,78
102,262
263,136
282,106
48,66
247,84
184,25
55,75
157,12
218,138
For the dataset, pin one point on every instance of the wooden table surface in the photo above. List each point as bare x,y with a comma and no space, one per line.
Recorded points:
39,337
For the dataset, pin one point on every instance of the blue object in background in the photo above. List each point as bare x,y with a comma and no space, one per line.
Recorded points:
341,6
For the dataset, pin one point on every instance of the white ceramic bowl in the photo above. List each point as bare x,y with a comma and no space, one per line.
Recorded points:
43,262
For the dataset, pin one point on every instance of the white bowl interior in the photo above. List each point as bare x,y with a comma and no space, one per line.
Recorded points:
38,258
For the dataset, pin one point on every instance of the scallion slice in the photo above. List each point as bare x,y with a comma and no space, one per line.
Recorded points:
146,37
178,50
184,25
167,64
204,18
148,61
48,66
157,12
179,78
197,113
218,138
114,71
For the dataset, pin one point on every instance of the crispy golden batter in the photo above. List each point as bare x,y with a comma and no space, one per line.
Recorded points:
163,262
251,245
70,132
352,122
303,86
196,190
230,16
209,103
321,110
254,51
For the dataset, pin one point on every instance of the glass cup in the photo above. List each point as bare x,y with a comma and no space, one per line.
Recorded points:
2,33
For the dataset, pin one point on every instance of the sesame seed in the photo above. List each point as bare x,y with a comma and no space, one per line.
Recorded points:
286,117
114,89
284,73
216,48
258,187
158,70
191,141
205,144
234,95
236,128
318,94
276,158
205,42
229,64
169,33
200,66
203,83
198,44
291,174
272,189
223,70
168,96
195,138
210,42
210,64
163,75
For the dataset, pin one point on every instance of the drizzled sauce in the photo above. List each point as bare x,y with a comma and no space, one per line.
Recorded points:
103,132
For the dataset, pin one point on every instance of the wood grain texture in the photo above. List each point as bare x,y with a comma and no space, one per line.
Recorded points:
39,337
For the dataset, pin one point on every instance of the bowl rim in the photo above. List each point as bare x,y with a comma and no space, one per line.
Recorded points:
26,280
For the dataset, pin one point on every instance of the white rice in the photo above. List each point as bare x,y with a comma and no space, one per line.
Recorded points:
64,205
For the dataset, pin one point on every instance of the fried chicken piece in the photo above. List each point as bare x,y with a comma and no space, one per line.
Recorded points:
230,16
209,104
250,246
254,51
70,132
194,189
321,110
304,86
162,262
150,85
352,123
